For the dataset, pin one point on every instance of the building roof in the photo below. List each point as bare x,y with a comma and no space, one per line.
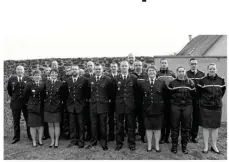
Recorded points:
199,45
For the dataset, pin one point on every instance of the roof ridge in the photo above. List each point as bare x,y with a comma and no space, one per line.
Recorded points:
217,39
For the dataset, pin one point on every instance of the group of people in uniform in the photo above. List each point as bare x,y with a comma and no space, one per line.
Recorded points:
100,106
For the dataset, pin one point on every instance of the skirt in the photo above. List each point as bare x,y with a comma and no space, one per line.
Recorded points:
35,120
52,117
210,118
154,122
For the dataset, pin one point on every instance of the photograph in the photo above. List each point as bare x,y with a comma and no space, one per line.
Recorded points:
114,80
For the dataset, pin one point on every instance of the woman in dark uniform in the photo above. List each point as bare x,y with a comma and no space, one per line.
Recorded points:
153,94
34,94
181,92
211,90
52,107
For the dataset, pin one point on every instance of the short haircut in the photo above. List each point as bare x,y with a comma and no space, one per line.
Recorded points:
211,64
91,63
124,61
20,67
54,70
192,59
36,72
137,61
114,63
55,62
180,67
163,59
152,67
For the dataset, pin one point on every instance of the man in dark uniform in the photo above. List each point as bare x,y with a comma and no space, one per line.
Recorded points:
111,122
45,77
100,98
196,75
77,94
166,75
139,110
125,97
88,74
16,85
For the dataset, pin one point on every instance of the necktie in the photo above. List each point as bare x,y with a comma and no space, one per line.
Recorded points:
53,81
74,80
152,82
124,78
20,79
37,83
97,78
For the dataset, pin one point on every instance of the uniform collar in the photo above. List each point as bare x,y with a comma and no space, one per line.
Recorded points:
124,75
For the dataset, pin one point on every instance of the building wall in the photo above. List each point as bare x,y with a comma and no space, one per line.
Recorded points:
219,49
221,63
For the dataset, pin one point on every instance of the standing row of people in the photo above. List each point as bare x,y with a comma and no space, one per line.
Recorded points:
158,99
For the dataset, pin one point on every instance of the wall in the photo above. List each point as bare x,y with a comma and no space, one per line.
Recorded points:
221,63
219,49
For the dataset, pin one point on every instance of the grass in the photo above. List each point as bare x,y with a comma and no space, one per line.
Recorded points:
23,150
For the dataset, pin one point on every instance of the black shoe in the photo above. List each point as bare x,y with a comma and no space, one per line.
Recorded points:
44,138
118,148
167,141
205,152
89,146
132,148
71,144
159,150
41,144
81,146
56,146
149,150
194,140
143,139
30,138
50,146
161,141
215,151
174,148
184,149
15,141
105,148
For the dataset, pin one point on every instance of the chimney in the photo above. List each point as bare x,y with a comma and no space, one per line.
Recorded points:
190,37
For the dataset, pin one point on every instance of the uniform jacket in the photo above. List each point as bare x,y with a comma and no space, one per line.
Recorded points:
34,96
153,96
166,75
126,94
100,94
142,77
55,95
181,92
77,94
16,90
195,77
113,86
211,90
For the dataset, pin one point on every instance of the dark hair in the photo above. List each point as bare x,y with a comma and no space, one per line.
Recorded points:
163,59
152,67
192,59
54,70
37,72
180,67
98,64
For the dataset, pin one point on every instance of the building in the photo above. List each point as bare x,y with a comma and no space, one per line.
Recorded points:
206,49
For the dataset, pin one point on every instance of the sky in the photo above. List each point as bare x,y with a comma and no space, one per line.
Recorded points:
98,28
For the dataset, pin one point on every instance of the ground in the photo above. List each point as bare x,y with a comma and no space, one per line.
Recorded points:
24,150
